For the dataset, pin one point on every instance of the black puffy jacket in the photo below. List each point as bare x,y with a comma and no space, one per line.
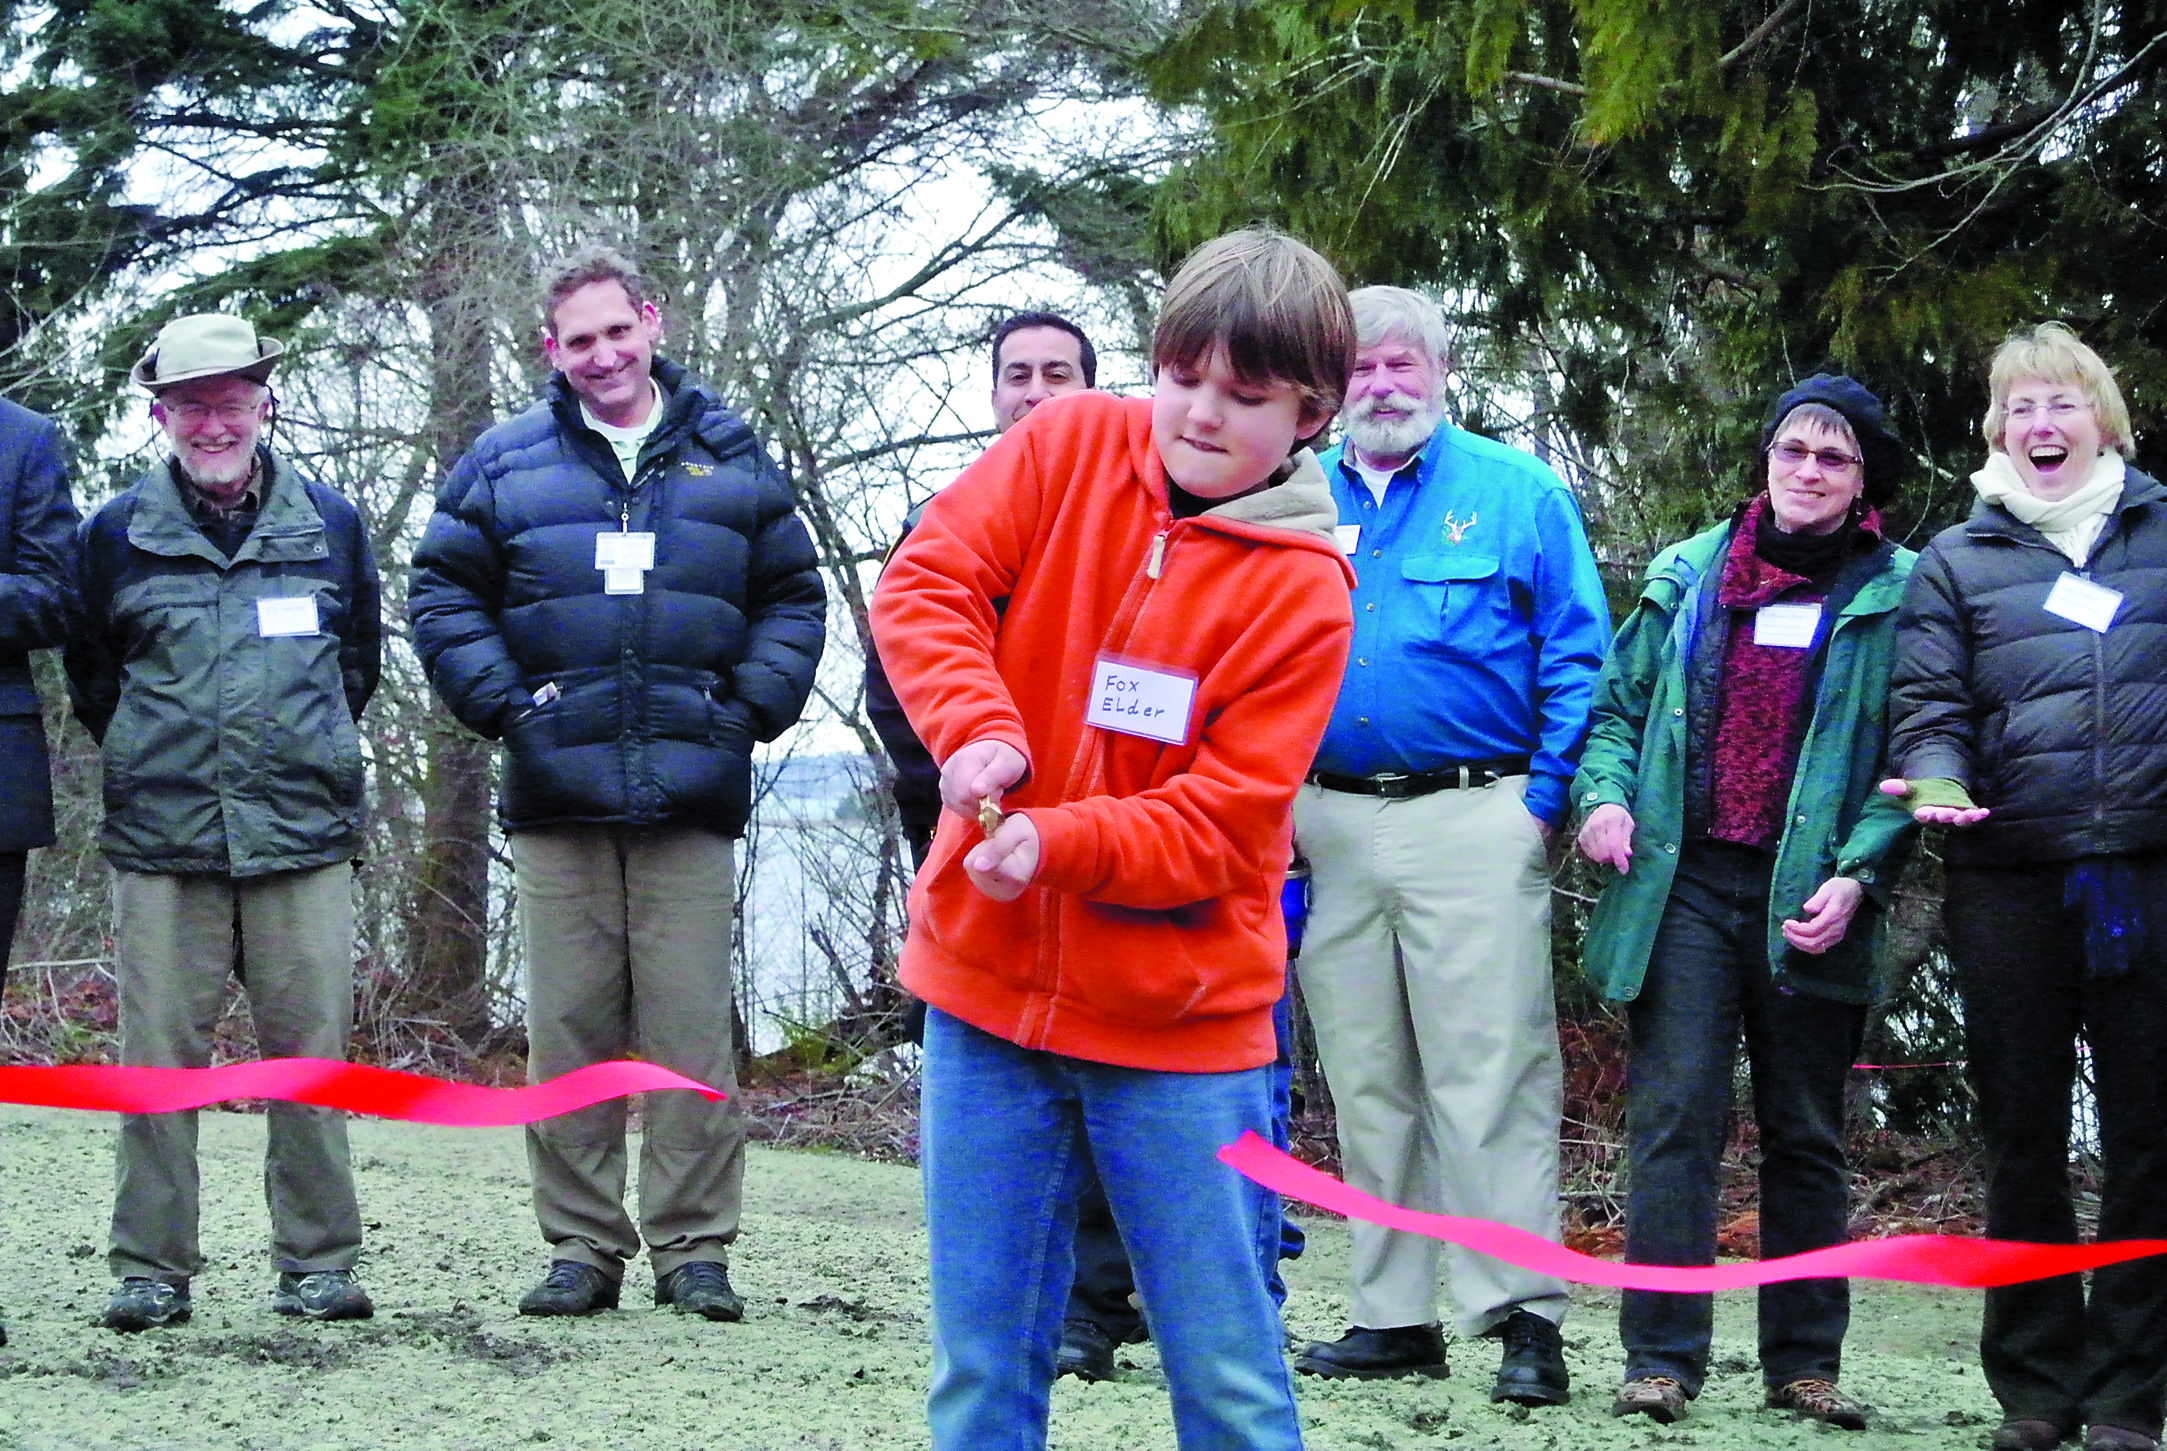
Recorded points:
2062,731
658,696
37,609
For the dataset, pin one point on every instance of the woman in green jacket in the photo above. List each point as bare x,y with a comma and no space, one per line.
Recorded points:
1729,783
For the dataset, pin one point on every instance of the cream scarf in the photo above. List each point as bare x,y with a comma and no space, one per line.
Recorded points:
2072,522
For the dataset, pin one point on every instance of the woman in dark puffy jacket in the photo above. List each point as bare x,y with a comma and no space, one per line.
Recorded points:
2030,713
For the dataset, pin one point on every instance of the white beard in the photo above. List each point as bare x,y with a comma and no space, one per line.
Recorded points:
1387,437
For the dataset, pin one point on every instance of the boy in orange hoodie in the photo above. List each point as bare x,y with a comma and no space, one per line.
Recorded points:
1101,969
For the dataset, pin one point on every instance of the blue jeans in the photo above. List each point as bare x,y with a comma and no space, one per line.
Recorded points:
1006,1135
1103,1281
1708,983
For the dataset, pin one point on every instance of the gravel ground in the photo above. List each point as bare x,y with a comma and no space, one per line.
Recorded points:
831,1354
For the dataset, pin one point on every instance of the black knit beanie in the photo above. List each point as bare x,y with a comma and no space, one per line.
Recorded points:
1886,458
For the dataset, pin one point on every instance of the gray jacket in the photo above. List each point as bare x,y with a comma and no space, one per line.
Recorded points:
228,750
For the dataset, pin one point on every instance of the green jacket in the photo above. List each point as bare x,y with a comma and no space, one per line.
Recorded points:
1838,822
228,750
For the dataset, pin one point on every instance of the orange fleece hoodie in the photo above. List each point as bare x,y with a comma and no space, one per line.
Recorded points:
1151,936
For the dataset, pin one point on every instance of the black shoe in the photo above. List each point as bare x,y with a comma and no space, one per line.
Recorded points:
1086,1352
2025,1435
1366,1354
1533,1370
141,1303
700,1287
322,1295
570,1288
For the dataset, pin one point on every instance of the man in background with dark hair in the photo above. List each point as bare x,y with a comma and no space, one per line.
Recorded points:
37,604
615,584
1036,356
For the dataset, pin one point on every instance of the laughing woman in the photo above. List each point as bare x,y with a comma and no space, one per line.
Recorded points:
2030,711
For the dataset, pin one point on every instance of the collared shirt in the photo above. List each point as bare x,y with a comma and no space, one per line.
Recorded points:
1479,619
627,442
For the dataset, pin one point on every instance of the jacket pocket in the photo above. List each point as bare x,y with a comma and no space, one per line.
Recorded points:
1150,967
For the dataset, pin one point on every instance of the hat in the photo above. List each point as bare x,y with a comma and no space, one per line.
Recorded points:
205,345
1886,458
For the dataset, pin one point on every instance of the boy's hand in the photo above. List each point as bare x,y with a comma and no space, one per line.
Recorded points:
979,770
1936,801
1003,864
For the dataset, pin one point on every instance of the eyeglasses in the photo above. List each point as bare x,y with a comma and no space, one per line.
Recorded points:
2058,412
1835,460
195,415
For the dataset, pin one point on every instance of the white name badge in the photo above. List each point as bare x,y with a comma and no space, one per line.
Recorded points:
295,616
1349,537
624,551
2078,599
1137,700
1786,627
624,560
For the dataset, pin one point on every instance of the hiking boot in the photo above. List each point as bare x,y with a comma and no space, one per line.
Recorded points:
2118,1438
141,1303
700,1287
322,1295
1660,1398
1087,1352
1366,1354
1818,1400
570,1288
1532,1371
2022,1435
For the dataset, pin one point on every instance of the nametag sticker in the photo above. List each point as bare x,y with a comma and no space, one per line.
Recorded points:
287,617
2083,602
1141,700
1349,537
624,551
1786,627
624,581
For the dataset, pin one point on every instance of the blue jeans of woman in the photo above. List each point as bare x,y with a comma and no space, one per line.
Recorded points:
2049,1352
1006,1134
1708,981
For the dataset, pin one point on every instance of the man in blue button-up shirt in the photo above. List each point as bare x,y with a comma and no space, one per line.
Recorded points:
1479,626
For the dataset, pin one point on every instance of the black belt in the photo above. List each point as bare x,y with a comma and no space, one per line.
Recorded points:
1397,785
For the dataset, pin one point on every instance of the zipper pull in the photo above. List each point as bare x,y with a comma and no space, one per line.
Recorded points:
624,517
1158,555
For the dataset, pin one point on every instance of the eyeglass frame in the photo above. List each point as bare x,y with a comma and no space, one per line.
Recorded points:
1835,460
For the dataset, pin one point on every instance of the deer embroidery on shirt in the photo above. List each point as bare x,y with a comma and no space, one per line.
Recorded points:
1454,529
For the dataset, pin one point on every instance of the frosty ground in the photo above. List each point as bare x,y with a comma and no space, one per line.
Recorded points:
832,1352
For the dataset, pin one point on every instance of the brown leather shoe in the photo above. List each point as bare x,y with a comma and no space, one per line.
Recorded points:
1818,1400
1658,1397
1366,1354
2026,1436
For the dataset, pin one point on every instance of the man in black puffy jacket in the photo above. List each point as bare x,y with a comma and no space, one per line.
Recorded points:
615,585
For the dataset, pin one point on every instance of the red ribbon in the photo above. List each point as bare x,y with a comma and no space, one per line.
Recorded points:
1922,1259
328,1083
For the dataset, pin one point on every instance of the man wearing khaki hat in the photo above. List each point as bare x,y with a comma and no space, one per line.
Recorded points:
230,638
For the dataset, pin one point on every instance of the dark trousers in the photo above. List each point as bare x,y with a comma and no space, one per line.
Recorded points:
13,867
1708,980
1104,1282
2019,957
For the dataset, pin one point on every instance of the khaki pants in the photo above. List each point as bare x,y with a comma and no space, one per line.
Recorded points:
290,936
628,946
1426,970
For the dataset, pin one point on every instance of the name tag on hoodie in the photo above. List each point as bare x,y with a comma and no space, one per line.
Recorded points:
2083,602
1141,700
295,616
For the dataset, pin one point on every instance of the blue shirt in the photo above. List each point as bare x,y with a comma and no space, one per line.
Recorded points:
1479,619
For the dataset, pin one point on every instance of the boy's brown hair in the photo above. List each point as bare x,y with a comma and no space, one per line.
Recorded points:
1278,308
